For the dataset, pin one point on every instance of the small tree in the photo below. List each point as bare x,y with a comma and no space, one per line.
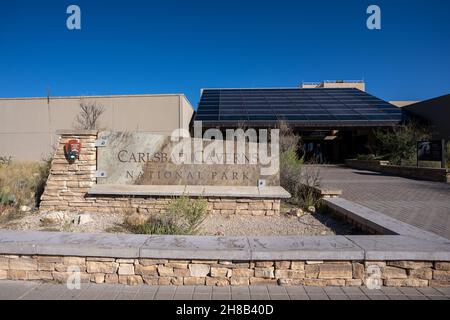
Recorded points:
88,118
400,143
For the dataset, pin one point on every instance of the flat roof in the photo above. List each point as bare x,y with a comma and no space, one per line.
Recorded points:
311,107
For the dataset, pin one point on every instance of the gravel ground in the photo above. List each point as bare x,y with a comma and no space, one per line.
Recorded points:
307,225
215,224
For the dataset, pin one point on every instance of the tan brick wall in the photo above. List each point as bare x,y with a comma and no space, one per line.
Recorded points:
68,184
428,174
223,273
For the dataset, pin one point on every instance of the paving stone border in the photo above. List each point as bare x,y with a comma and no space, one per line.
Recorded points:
375,222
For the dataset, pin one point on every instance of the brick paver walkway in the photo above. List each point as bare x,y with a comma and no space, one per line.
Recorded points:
423,204
14,290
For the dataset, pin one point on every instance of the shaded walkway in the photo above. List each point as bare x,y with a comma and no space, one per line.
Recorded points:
422,204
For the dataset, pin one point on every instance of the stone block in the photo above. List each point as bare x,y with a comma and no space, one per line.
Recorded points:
423,273
410,264
263,281
442,266
199,270
146,270
98,278
4,263
44,266
393,273
151,281
315,282
289,274
267,273
439,283
225,206
264,264
239,281
125,261
358,270
336,282
312,271
165,271
23,263
217,282
178,265
194,281
291,282
126,269
181,272
243,272
111,278
297,265
130,280
17,275
50,259
221,272
285,264
353,282
335,271
441,275
406,282
101,267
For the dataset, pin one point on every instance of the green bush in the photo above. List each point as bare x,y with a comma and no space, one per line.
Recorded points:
183,217
366,157
290,171
400,143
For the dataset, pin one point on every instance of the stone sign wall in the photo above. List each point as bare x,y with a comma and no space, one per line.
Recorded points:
70,184
152,159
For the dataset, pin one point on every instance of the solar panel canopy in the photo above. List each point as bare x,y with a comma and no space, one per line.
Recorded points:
318,107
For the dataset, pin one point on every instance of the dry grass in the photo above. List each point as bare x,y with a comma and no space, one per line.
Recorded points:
22,184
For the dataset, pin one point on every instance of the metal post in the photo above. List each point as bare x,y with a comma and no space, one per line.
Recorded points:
443,163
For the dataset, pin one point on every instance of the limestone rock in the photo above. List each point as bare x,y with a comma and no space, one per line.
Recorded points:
55,217
82,219
199,270
25,209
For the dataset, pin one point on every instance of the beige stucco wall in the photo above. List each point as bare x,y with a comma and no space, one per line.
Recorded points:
28,126
402,104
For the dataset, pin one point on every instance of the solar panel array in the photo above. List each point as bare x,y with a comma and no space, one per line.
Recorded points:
302,107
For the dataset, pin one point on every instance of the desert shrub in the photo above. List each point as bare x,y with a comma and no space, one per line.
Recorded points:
288,139
183,217
22,183
308,194
290,170
400,143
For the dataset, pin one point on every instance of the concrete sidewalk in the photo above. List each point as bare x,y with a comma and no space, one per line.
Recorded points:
18,290
423,204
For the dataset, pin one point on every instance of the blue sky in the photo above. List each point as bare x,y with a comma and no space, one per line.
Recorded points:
135,47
